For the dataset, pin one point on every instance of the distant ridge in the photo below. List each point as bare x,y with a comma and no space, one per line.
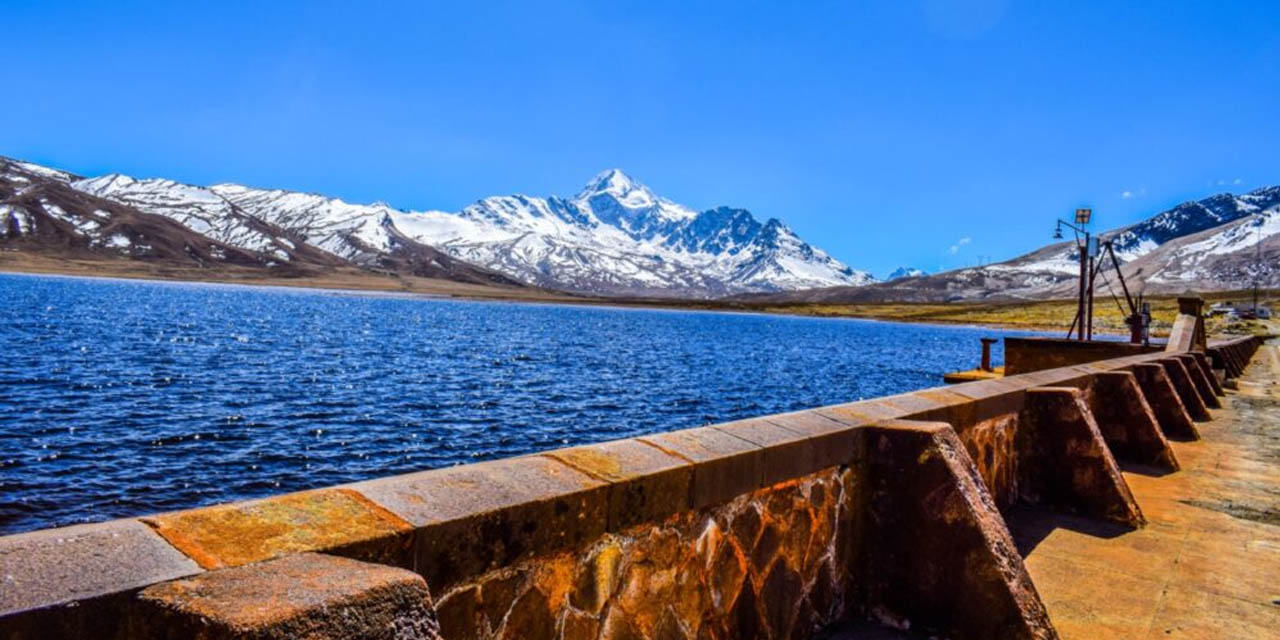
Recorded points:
905,272
1219,243
164,221
615,237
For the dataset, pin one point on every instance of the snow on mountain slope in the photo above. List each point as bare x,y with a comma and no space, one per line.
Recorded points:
614,237
617,236
353,232
1219,243
1188,218
1151,251
20,168
209,228
1229,256
905,272
196,208
39,209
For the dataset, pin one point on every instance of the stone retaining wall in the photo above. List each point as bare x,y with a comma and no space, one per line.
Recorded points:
1025,355
772,527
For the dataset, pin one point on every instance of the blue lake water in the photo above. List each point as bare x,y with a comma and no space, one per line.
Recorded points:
122,398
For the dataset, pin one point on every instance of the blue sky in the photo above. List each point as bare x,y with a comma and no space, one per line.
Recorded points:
913,133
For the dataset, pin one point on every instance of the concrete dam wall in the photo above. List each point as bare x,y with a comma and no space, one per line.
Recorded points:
892,510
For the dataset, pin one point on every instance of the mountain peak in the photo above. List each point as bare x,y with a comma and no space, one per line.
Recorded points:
619,197
623,188
905,272
615,237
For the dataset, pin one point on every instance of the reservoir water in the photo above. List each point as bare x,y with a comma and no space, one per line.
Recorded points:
123,398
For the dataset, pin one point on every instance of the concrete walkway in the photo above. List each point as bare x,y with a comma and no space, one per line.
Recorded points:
1208,563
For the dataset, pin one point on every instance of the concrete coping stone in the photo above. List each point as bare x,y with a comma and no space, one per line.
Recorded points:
1231,342
725,466
430,497
787,454
618,460
303,595
472,518
860,412
833,442
237,533
645,483
981,388
67,564
916,402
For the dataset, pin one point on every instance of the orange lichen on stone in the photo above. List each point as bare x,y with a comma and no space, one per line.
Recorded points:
298,596
863,412
991,445
591,461
230,535
764,564
971,375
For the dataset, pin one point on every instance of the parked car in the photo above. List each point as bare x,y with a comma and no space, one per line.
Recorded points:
1222,308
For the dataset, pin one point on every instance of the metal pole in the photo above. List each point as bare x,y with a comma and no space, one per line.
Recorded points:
1084,258
1120,274
1092,273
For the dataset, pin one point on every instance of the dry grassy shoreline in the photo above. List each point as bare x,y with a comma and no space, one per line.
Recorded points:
1042,315
1039,315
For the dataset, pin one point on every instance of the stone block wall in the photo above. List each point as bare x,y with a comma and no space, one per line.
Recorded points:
1024,355
772,563
772,527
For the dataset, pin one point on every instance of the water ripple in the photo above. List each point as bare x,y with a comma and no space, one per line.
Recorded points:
125,398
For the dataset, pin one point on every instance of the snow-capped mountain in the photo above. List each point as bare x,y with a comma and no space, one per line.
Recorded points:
905,272
195,208
617,236
614,237
217,227
1219,243
1157,254
1229,256
1190,217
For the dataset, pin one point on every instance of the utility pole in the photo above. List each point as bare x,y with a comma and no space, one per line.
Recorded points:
1091,261
1084,276
1091,252
1082,326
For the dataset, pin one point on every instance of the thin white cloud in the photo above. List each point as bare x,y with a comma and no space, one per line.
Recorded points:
955,248
1133,193
1237,181
1126,194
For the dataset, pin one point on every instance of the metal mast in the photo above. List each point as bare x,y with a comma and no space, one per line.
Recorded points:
1082,325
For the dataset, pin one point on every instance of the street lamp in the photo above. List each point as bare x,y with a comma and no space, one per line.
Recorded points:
1084,312
1090,263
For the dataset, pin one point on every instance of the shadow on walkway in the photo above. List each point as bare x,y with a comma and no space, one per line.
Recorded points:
1031,525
